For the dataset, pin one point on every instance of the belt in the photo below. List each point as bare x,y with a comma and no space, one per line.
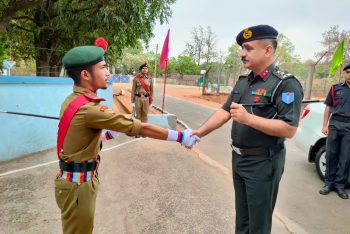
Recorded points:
257,151
339,118
139,95
79,172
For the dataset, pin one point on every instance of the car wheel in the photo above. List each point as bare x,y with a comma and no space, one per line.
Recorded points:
320,162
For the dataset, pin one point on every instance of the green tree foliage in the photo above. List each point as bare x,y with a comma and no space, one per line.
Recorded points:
186,66
287,60
330,41
46,31
233,65
9,9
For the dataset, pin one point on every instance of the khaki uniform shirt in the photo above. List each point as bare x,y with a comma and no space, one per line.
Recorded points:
137,87
83,138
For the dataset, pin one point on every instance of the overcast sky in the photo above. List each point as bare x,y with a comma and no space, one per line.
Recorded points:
302,21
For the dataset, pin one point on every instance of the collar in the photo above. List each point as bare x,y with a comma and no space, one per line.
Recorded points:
82,90
265,74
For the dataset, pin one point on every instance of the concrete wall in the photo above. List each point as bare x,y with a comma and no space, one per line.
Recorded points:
21,135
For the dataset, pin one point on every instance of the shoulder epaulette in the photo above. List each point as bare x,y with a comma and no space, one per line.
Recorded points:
243,76
282,74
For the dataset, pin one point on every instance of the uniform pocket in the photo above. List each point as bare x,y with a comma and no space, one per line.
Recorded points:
64,190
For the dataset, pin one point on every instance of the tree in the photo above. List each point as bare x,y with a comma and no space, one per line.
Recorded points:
9,9
202,45
46,31
186,66
233,64
330,41
209,42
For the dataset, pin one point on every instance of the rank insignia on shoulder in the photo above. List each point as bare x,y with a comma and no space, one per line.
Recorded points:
288,97
103,108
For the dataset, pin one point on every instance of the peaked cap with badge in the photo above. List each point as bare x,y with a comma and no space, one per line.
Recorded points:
257,32
82,56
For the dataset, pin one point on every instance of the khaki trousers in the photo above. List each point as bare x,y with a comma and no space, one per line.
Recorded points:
77,203
141,108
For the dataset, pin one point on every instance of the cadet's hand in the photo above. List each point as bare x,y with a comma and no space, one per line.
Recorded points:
188,140
239,113
325,130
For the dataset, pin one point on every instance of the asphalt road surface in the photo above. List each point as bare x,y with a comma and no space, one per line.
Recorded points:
150,186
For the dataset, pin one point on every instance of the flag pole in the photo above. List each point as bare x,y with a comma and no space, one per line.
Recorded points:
165,73
340,78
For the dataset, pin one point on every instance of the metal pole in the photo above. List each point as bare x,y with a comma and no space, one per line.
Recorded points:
28,114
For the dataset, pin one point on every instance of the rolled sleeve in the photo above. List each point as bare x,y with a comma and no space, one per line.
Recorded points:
98,118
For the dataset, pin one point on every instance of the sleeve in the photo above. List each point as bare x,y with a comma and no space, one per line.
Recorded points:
133,90
227,104
288,101
329,99
100,118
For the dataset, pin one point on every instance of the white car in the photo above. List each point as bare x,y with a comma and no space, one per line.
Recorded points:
310,139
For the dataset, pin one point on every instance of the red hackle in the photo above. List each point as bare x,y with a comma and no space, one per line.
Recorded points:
101,42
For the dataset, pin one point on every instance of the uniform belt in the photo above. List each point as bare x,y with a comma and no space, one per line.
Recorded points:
139,95
344,119
257,151
79,172
78,167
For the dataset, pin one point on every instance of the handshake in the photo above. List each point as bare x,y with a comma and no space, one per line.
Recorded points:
185,137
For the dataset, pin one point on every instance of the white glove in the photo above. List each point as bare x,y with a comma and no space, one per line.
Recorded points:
187,140
133,105
108,135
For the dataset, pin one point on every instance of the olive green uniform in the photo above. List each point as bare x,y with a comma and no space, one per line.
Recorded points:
83,142
257,158
140,97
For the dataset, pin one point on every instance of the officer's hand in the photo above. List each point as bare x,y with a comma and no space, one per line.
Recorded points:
133,105
239,113
188,140
325,130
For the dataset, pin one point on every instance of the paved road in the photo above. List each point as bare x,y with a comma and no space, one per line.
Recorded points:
148,186
299,203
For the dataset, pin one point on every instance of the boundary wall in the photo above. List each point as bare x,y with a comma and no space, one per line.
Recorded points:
20,135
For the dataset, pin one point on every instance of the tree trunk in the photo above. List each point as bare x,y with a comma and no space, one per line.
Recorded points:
205,80
308,83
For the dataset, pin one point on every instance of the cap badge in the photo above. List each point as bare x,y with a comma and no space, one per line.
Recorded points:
247,33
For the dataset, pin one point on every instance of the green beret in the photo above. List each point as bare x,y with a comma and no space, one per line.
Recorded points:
256,33
83,56
142,66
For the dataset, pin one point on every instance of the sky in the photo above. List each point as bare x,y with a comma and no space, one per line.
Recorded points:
302,21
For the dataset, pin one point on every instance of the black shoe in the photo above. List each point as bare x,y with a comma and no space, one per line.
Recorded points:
326,189
342,193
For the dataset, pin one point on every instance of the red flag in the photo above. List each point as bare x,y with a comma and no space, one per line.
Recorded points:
165,52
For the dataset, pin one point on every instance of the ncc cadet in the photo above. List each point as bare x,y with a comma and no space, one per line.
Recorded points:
82,119
265,107
338,137
142,93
